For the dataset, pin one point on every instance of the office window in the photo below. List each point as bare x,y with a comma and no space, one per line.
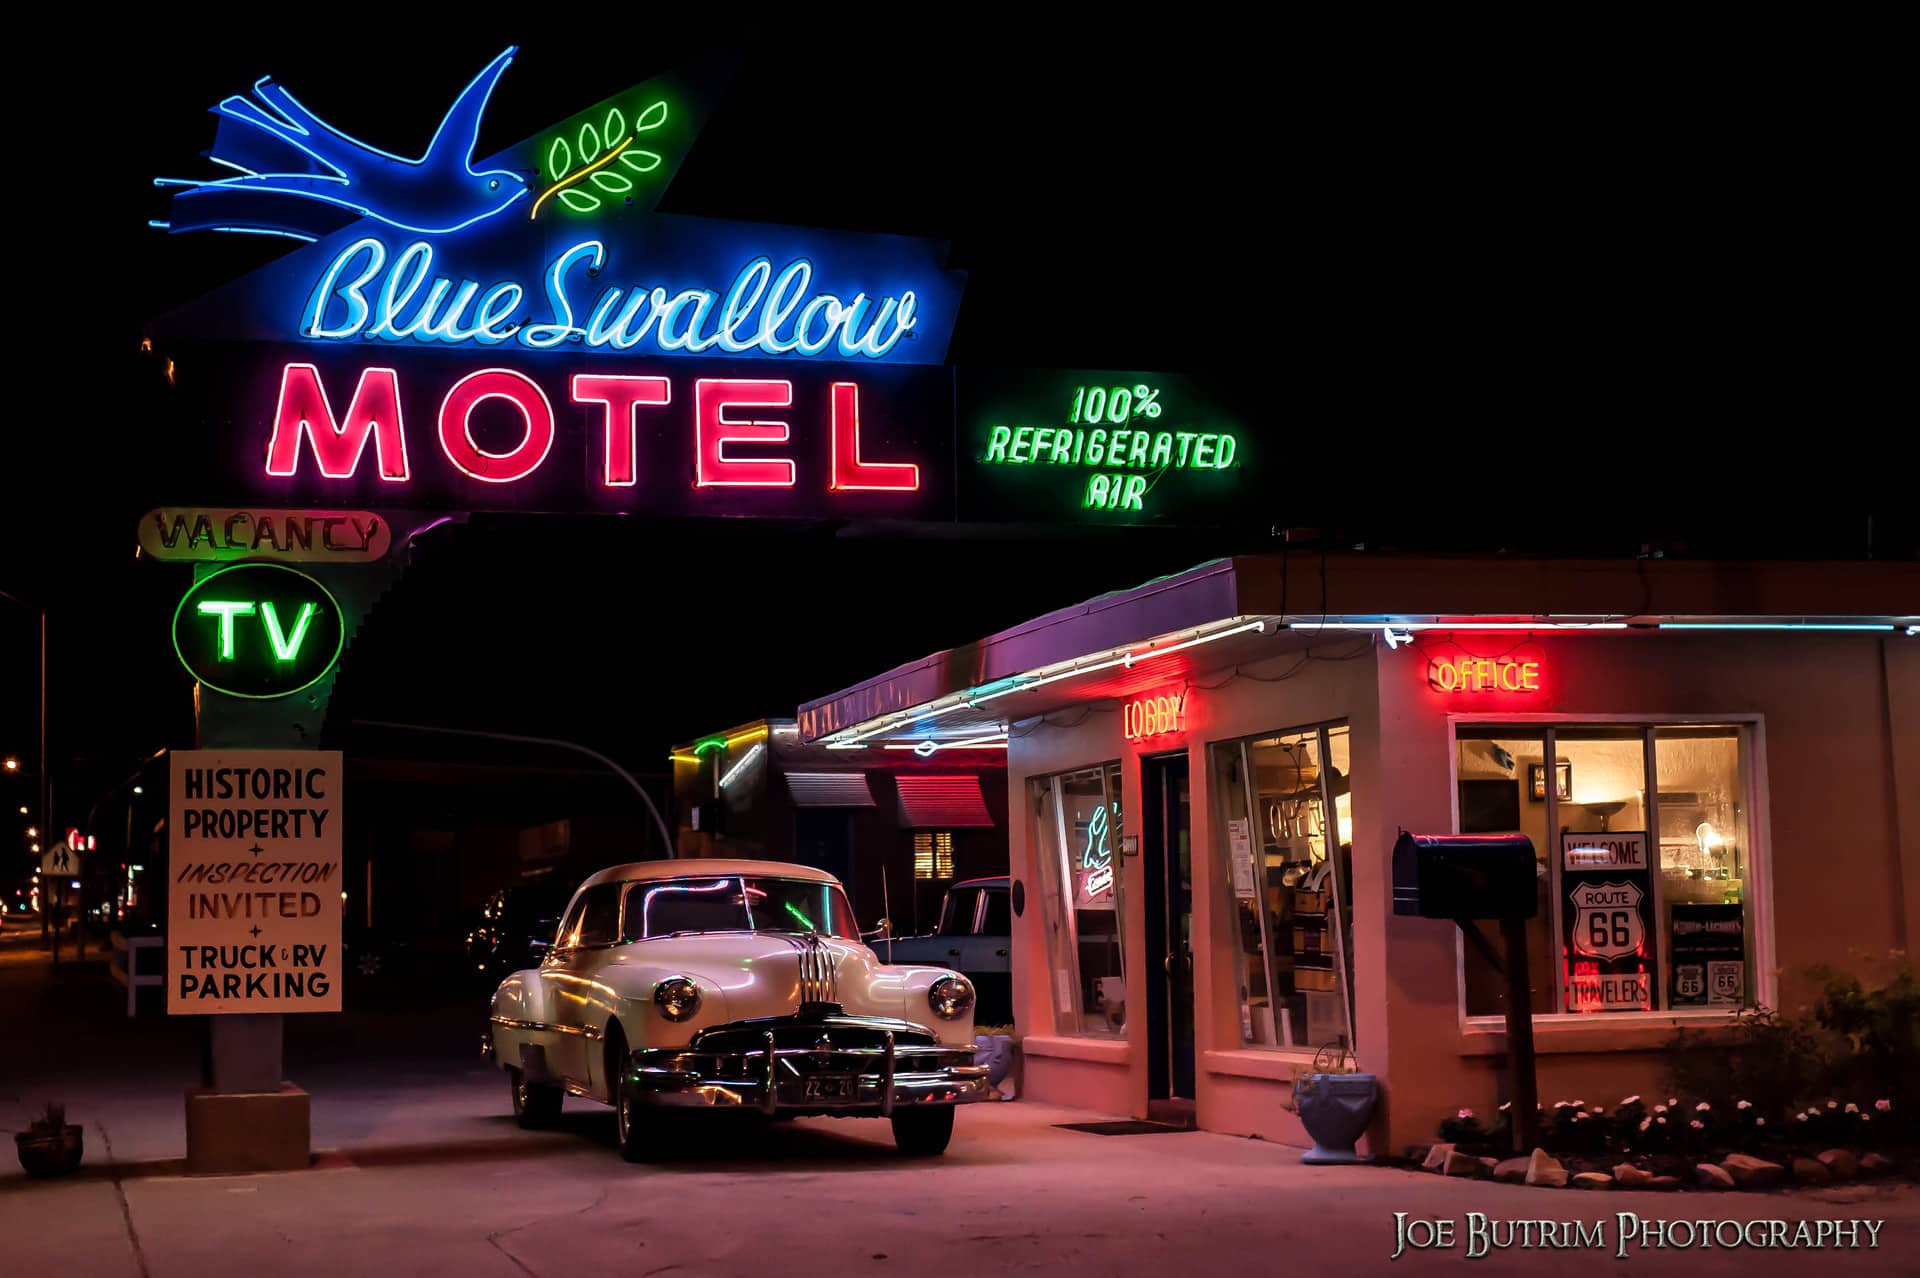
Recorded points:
1645,890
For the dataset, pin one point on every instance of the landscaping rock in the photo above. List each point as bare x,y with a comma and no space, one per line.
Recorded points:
1840,1164
1631,1177
1592,1180
1664,1184
1544,1169
1489,1163
1459,1164
1511,1171
1875,1165
1712,1177
1436,1159
1811,1171
1749,1172
1417,1154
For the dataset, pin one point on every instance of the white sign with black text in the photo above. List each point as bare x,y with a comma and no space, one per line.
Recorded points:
255,882
1588,850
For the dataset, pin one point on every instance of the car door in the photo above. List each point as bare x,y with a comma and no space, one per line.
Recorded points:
957,915
585,1005
986,957
554,979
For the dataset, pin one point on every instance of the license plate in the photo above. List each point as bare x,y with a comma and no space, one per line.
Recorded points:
829,1087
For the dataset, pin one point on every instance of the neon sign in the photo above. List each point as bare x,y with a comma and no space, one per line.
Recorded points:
1114,447
258,630
1096,859
295,174
367,293
565,175
1139,449
1155,716
1484,674
304,423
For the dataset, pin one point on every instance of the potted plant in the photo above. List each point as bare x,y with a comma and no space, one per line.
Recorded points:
1335,1104
51,1146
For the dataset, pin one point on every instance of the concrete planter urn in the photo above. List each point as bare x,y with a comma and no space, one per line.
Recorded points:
995,1051
1335,1109
51,1146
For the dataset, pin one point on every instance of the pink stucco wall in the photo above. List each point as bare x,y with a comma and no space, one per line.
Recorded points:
1834,719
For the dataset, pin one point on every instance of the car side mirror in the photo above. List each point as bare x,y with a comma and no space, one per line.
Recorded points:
884,928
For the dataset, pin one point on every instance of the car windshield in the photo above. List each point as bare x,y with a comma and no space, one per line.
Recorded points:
664,907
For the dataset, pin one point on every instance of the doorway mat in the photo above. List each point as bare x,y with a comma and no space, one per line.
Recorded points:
1121,1127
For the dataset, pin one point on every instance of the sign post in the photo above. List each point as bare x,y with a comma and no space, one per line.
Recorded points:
253,931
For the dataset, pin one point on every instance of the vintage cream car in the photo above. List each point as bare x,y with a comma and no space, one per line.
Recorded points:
732,984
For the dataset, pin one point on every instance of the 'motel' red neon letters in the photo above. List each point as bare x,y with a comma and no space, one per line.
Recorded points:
304,412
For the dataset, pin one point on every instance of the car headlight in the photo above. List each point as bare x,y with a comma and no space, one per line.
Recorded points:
950,997
677,998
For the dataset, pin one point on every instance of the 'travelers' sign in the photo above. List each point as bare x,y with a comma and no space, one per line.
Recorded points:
254,881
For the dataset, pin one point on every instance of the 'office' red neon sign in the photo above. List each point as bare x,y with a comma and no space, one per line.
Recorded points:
1483,674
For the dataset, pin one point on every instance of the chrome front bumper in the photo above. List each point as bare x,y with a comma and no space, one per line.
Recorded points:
873,1076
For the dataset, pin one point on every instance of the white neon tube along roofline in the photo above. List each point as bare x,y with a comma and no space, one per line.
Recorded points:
968,701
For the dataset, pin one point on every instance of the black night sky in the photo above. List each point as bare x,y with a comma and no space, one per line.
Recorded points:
1540,307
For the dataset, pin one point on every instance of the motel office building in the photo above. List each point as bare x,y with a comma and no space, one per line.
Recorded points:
1718,765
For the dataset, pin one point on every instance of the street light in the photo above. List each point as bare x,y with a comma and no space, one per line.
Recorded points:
11,764
33,832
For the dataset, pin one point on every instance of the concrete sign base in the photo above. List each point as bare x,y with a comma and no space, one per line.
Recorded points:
234,1133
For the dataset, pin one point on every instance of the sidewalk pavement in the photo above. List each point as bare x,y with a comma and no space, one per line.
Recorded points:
421,1170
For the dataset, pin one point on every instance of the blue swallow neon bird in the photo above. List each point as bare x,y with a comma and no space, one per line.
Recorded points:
300,177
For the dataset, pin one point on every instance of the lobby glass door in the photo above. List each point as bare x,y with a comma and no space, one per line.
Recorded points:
1167,847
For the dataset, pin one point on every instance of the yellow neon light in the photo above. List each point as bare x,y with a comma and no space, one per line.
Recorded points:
569,181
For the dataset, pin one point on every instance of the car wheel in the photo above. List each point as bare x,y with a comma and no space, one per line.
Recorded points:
923,1132
534,1104
630,1122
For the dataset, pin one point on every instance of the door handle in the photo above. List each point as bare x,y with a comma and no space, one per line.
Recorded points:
1000,953
953,953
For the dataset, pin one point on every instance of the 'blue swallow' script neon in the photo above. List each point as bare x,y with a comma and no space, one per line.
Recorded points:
368,294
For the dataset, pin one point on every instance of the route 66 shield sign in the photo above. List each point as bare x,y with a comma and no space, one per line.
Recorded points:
1606,919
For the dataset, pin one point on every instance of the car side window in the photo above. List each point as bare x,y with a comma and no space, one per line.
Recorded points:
570,926
997,920
956,918
600,923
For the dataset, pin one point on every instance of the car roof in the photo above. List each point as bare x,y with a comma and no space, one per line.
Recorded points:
706,867
996,880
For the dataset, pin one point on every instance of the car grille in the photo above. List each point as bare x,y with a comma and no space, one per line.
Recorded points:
843,1032
818,981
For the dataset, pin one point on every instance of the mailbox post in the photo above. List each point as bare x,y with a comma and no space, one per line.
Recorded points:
1467,877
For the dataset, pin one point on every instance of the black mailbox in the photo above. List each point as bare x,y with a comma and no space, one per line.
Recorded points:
1465,876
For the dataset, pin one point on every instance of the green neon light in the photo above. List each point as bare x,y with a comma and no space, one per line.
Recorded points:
226,610
606,142
711,743
804,920
299,666
285,650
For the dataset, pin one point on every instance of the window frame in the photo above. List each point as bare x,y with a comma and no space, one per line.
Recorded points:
1754,790
1322,731
1112,775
